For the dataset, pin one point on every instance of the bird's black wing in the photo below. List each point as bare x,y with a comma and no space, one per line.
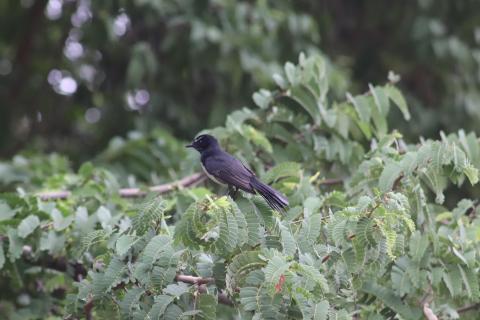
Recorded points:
230,170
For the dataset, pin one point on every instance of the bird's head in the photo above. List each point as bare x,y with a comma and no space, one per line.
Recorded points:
203,142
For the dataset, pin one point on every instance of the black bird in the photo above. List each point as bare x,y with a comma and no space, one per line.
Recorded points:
223,168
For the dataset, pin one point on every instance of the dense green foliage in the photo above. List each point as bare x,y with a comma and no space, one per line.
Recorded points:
381,170
379,244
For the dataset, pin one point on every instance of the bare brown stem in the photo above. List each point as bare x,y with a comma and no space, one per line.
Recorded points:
469,308
428,313
193,279
185,182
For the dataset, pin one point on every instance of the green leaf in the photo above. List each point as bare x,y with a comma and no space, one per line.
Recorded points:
159,307
362,107
320,310
288,241
275,267
131,300
150,212
418,246
104,282
309,232
207,303
392,301
241,265
257,137
282,170
453,280
176,289
52,242
391,172
229,231
262,98
124,243
381,99
27,226
259,300
307,100
86,170
92,238
313,275
59,221
396,96
15,244
5,211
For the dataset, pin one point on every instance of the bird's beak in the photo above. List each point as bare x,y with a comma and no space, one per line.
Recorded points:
189,146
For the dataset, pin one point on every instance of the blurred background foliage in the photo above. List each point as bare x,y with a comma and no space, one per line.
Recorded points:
76,73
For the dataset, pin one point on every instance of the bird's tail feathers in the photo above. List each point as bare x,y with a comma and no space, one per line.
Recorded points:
275,199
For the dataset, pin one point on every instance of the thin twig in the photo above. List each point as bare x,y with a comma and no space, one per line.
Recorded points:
185,182
469,307
222,296
202,288
193,279
428,313
87,308
330,182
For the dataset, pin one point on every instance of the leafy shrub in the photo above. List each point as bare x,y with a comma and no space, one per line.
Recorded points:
367,234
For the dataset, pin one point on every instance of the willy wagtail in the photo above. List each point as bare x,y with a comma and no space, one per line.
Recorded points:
224,169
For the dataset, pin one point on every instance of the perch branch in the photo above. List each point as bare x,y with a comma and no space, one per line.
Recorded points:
331,182
185,182
428,313
193,279
201,282
79,272
469,307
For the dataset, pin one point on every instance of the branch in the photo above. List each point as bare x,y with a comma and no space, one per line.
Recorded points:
87,308
185,182
193,279
330,182
468,308
202,288
428,313
79,272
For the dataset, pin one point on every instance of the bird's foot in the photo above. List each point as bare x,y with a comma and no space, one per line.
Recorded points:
232,192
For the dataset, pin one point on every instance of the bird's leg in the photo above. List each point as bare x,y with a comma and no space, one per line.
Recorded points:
232,191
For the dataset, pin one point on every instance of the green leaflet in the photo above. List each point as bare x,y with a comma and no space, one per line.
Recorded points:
241,265
5,211
276,267
149,214
124,243
391,172
309,232
392,301
27,226
320,311
160,305
207,304
396,96
103,283
282,170
289,245
262,302
130,301
92,238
